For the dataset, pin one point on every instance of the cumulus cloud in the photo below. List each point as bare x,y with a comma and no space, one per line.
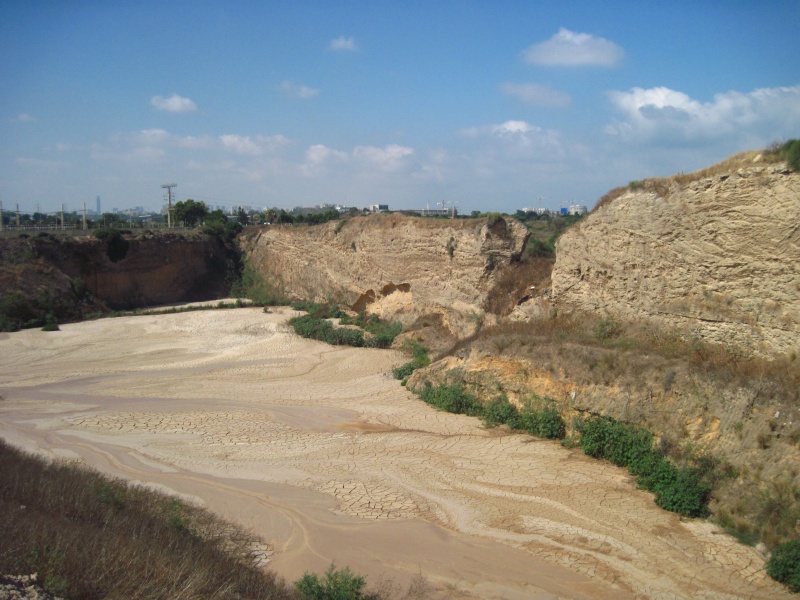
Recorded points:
296,90
506,128
175,104
537,95
668,114
515,140
254,146
570,49
240,144
343,44
389,158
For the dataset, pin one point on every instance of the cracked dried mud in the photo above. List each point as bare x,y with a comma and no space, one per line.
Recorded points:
321,453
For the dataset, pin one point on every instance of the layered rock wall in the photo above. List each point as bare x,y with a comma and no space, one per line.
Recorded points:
155,269
391,264
719,255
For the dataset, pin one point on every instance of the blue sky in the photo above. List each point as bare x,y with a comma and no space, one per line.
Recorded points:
493,105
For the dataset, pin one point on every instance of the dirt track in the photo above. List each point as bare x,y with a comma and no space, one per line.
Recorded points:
318,450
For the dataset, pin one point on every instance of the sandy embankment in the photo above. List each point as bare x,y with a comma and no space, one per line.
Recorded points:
319,451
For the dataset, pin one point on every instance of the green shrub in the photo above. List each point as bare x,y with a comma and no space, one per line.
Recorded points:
116,245
683,490
452,398
500,411
339,584
784,564
421,359
252,285
546,422
15,312
50,326
791,152
319,310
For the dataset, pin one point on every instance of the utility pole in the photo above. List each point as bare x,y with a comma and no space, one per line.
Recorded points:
17,215
63,225
169,187
84,215
2,227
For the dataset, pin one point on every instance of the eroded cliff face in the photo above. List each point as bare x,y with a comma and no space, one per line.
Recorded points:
390,264
719,256
153,269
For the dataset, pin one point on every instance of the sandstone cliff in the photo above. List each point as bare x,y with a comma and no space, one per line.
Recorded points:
392,265
719,255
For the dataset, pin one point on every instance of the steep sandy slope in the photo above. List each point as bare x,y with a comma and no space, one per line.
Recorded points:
397,265
719,255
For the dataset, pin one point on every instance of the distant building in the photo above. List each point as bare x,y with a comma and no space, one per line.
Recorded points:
577,209
379,207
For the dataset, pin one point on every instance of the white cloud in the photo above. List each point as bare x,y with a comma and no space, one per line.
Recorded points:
662,113
175,104
538,95
388,158
512,127
502,129
240,144
570,49
343,44
296,90
362,160
514,141
23,118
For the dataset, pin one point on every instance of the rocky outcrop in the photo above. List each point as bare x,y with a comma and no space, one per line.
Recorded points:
391,264
140,270
719,256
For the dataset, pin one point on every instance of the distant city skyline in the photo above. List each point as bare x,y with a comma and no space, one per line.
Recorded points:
274,104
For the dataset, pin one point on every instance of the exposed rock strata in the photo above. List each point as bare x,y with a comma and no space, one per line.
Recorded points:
395,265
720,256
155,269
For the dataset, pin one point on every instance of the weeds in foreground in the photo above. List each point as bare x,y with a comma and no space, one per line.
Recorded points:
91,537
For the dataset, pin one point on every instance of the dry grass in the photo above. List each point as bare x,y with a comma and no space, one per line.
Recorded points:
91,537
513,282
663,186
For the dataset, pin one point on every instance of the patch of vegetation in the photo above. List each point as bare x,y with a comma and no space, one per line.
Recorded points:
784,564
790,152
336,584
499,411
541,418
88,536
420,359
452,398
255,287
16,312
683,490
116,245
316,325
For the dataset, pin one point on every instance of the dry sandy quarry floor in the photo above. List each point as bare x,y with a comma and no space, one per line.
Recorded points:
320,452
